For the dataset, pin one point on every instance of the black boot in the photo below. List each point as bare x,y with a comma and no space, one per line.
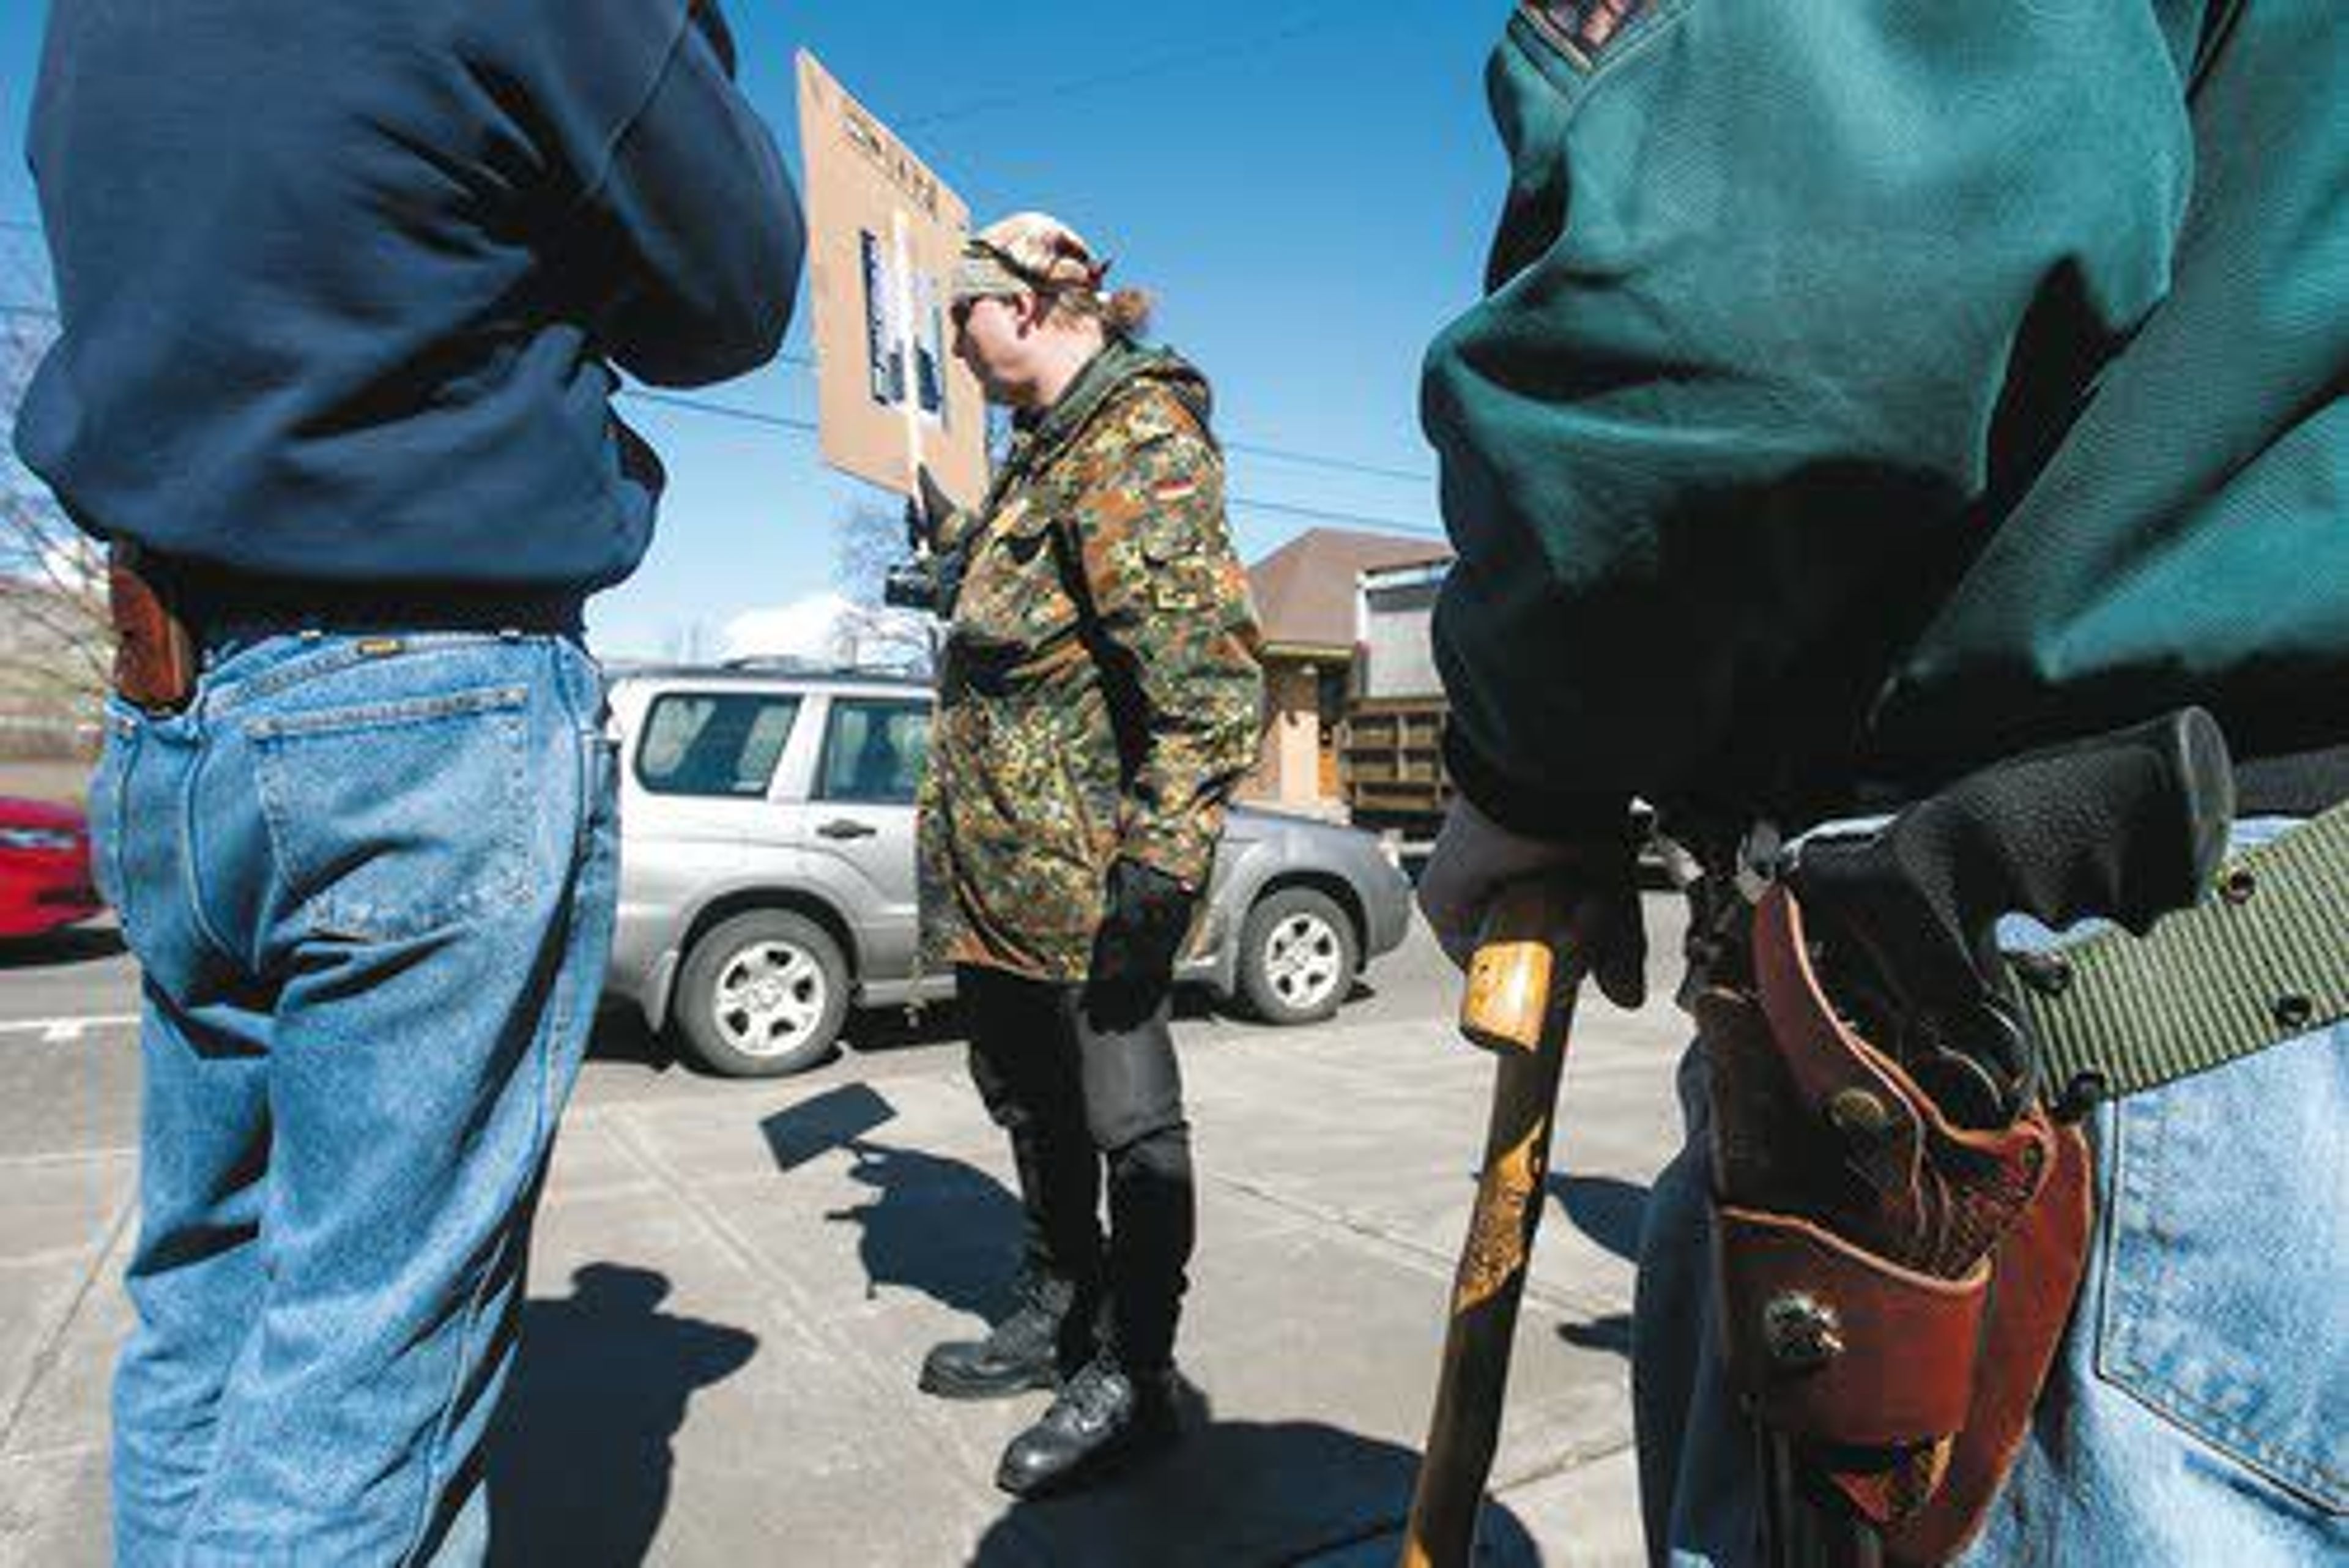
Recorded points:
1103,1418
1022,1351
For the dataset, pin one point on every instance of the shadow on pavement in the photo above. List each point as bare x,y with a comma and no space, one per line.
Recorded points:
579,1468
621,1036
934,1225
1606,1208
76,944
1233,1494
921,1200
885,1029
898,1029
1611,1333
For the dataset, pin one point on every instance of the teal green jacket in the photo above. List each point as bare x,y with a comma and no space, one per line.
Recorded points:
1866,389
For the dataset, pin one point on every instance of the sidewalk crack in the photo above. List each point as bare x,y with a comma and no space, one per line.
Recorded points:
1439,1264
52,1350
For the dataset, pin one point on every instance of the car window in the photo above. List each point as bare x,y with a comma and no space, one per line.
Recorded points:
873,752
714,742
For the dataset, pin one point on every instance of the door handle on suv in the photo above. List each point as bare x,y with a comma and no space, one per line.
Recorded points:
845,828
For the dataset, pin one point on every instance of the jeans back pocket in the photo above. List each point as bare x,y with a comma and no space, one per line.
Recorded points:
399,816
2224,1308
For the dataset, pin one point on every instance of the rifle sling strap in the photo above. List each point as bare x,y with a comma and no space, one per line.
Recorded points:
2264,960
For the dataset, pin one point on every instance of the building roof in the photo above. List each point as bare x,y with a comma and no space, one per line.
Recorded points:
1305,590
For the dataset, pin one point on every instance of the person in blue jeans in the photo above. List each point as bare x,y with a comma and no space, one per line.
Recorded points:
1863,394
342,289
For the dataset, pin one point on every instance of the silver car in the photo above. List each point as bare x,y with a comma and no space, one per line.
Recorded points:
767,871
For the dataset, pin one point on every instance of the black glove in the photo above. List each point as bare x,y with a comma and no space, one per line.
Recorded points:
1140,934
926,510
931,580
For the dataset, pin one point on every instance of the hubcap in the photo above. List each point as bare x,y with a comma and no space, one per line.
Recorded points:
1305,961
769,998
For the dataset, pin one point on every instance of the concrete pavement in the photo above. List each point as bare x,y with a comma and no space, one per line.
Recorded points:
733,1285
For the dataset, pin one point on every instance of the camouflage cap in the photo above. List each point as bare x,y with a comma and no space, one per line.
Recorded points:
1026,253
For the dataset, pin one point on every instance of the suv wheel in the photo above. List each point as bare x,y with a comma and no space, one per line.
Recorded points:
763,994
1297,957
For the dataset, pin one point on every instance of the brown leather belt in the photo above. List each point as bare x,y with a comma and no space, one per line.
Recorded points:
164,608
155,659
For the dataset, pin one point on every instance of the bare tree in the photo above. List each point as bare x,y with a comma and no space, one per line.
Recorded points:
871,539
869,633
56,641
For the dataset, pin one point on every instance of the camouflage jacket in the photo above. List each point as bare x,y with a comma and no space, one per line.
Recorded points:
1100,692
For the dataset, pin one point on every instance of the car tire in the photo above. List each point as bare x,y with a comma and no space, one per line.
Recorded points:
1297,956
763,994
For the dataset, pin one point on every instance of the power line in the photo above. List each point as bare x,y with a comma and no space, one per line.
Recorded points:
1277,508
1326,514
808,362
1319,20
1340,464
16,308
808,427
1284,454
720,410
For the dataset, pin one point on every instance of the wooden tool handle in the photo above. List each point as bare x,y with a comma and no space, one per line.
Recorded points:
1519,1005
1510,980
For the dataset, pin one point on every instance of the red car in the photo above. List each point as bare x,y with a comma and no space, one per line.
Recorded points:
44,867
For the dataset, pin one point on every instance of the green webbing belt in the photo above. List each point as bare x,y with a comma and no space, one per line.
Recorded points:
2261,959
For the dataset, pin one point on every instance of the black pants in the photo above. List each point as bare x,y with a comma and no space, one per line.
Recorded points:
1077,1090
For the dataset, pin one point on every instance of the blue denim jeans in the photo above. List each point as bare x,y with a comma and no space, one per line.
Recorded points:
2199,1409
370,882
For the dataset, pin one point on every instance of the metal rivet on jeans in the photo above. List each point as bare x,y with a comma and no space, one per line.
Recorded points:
1802,1331
2080,1097
1858,1114
2293,1012
2237,885
2044,972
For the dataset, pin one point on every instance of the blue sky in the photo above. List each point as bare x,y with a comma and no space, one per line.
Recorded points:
1307,187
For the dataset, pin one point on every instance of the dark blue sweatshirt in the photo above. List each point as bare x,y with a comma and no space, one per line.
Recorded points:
341,281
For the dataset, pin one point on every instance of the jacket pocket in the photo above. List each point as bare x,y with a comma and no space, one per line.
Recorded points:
1014,601
2224,1311
402,817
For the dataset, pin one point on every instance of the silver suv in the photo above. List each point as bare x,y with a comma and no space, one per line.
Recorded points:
767,871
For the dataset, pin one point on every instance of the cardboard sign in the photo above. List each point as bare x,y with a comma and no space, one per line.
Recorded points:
883,236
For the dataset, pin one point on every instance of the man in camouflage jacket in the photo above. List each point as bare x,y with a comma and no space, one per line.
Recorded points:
1100,696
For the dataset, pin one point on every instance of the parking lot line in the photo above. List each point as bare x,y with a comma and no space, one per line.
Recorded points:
66,1030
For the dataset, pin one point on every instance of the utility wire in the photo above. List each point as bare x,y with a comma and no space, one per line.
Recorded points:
1283,454
1278,508
1338,465
714,408
721,411
1327,515
1319,20
807,362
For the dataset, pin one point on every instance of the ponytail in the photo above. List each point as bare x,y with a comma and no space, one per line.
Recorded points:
1127,312
1124,314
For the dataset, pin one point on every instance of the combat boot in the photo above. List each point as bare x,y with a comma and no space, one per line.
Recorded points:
1104,1416
1022,1351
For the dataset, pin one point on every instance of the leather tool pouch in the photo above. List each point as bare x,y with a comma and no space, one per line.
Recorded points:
1893,1287
154,655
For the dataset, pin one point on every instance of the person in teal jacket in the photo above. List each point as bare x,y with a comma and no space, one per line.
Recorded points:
1863,393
